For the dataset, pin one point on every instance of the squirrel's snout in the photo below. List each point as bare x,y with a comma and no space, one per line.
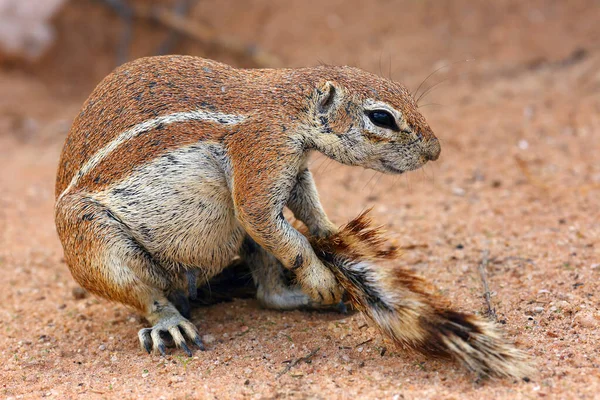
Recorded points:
432,149
430,144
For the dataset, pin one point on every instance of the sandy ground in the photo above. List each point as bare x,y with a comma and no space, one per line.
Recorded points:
519,177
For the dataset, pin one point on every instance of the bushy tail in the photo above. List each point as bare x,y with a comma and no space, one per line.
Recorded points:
406,309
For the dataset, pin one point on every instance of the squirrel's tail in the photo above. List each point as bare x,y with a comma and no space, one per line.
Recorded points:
406,309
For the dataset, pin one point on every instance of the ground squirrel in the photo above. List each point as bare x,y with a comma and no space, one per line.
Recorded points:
175,165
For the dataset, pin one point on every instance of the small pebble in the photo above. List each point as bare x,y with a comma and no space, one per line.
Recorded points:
457,191
208,339
102,347
523,144
79,293
586,319
538,310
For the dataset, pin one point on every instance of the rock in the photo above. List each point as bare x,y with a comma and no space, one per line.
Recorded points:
586,319
208,339
79,293
458,191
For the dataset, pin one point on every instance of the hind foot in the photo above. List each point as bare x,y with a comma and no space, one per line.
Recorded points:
293,298
170,323
283,298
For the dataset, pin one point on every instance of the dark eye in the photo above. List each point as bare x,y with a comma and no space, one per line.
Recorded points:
383,119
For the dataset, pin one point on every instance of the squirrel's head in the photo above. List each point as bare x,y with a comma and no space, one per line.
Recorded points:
358,118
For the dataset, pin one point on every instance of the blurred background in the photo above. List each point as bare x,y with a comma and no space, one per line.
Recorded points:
511,88
71,44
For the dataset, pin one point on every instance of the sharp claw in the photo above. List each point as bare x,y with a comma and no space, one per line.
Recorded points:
198,343
161,349
185,348
145,340
148,345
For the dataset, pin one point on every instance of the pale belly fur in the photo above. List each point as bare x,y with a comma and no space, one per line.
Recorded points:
180,208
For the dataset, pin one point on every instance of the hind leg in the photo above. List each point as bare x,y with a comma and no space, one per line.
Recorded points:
107,261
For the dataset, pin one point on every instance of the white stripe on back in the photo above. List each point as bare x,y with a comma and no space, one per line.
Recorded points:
197,115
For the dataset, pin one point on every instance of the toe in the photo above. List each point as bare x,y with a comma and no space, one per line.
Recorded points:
157,341
192,333
145,339
186,349
179,340
161,349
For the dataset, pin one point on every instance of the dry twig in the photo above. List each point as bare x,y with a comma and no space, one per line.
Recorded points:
365,342
491,312
532,179
297,361
194,30
179,24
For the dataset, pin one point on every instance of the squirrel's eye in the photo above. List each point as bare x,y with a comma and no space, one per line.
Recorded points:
383,119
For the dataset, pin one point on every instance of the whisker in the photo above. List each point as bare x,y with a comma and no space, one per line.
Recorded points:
428,76
430,104
434,72
317,169
362,173
369,181
430,88
378,179
375,185
327,165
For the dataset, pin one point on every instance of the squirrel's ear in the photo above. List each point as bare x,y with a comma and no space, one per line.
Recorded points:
327,94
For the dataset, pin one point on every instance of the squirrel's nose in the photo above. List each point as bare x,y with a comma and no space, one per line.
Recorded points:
432,149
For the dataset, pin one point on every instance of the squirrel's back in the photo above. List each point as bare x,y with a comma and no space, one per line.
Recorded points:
146,90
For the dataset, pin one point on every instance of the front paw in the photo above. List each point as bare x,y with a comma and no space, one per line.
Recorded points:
320,284
324,231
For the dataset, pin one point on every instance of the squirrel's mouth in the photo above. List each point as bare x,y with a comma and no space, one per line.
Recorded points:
391,168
